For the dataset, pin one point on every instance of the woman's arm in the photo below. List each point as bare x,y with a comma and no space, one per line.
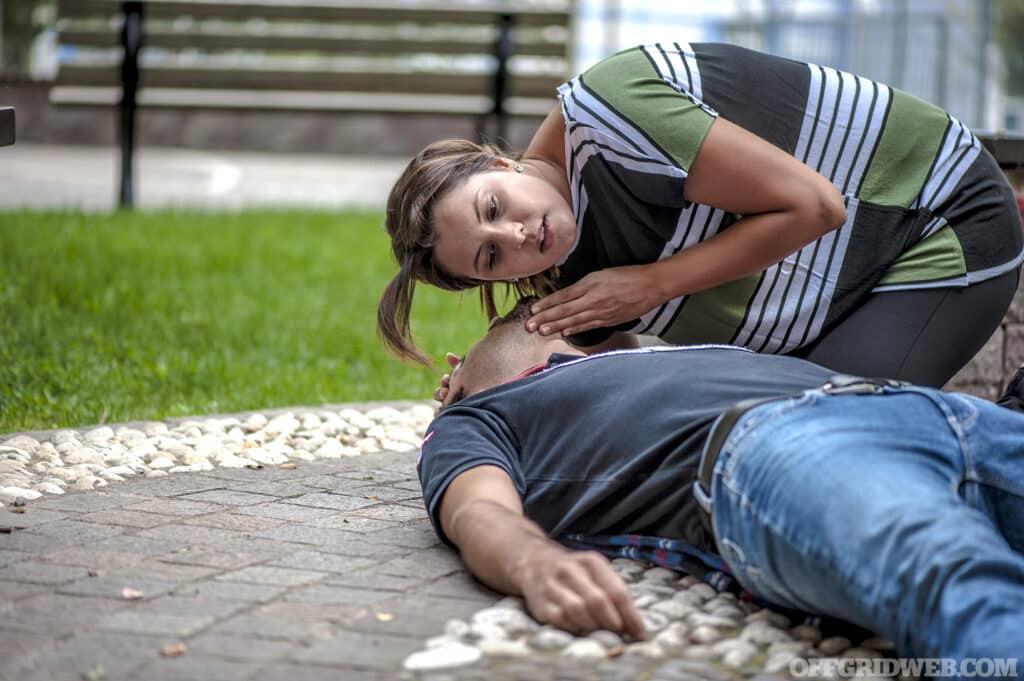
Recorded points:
785,205
482,514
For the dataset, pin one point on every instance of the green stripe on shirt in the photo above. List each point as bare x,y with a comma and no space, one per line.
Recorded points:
908,148
629,84
714,315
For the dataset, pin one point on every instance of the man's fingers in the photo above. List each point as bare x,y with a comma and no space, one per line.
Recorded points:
567,609
620,601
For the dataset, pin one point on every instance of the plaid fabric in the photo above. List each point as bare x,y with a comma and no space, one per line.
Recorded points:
685,558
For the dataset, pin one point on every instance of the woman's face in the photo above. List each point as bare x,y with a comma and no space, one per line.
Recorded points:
502,225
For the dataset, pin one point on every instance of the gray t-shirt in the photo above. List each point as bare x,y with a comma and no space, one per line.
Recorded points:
607,444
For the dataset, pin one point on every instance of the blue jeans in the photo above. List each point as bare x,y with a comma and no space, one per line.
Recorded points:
901,511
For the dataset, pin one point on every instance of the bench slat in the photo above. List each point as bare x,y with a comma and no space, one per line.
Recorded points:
309,79
237,40
257,100
326,10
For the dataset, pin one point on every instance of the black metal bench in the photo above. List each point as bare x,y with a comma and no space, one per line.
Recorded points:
6,126
488,59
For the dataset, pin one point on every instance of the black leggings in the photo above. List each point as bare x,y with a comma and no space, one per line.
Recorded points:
923,336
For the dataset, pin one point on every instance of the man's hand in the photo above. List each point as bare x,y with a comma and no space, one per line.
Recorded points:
578,591
603,298
482,514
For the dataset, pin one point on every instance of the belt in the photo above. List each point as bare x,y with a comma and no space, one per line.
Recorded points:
840,384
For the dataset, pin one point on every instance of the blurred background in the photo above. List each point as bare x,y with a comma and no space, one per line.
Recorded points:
247,275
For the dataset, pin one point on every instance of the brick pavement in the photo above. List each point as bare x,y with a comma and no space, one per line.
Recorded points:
321,571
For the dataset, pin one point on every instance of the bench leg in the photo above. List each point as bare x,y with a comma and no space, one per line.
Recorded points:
503,48
131,41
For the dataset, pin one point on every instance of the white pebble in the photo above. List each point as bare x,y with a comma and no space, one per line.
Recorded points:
511,620
585,649
101,434
551,638
442,657
704,635
503,648
254,422
161,462
9,494
648,649
49,488
261,455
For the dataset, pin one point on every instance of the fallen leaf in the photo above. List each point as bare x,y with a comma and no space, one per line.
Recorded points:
616,651
130,594
19,509
373,496
385,617
287,466
93,573
249,444
97,673
173,650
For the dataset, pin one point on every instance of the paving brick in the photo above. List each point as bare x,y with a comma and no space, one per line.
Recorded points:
283,511
264,474
329,481
275,489
175,507
173,485
189,535
27,540
320,536
336,502
235,522
259,574
86,501
150,568
230,591
362,650
125,517
373,580
192,667
383,493
306,672
143,546
299,622
57,614
427,563
413,537
140,621
117,654
421,616
32,517
15,591
111,586
16,646
392,512
242,648
228,497
92,559
323,562
36,572
186,605
217,557
77,532
379,475
9,557
461,585
354,523
338,595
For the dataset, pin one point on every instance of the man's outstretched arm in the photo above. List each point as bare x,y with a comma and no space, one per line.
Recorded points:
482,514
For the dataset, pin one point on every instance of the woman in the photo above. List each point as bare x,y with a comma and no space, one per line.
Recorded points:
709,193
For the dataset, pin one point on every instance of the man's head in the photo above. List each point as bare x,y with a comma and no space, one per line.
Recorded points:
505,352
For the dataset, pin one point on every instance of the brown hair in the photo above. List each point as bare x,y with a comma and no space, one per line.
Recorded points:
431,174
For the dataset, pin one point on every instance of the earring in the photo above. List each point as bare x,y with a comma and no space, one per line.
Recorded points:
519,168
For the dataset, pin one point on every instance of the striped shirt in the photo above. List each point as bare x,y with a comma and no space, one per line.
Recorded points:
926,205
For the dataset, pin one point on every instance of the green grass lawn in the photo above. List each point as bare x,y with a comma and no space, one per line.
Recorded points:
148,315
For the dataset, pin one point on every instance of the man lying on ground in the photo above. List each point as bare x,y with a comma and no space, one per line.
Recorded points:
898,508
